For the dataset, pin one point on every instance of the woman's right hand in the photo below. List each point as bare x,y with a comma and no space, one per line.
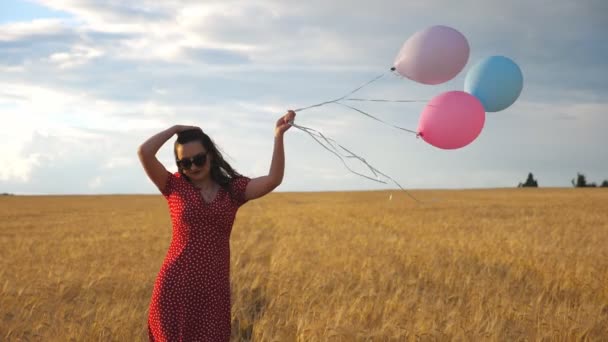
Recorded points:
181,128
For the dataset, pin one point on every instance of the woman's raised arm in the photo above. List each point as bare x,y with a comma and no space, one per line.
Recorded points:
146,152
260,186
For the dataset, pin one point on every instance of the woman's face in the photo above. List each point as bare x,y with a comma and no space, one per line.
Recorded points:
190,151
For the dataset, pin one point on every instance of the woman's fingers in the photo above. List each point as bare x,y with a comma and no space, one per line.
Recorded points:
290,115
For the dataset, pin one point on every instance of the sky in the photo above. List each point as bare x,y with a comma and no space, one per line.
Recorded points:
83,83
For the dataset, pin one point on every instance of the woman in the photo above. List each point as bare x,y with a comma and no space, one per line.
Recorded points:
191,296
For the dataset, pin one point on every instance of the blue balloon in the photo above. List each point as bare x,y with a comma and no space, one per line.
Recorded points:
496,81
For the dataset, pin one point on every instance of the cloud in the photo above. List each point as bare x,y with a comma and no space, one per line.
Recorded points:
79,55
215,56
14,32
30,42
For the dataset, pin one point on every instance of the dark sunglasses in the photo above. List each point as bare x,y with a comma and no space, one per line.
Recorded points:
198,160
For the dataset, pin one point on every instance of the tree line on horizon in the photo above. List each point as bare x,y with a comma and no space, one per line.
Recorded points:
579,182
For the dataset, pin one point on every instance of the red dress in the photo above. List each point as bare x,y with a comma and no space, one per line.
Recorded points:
191,296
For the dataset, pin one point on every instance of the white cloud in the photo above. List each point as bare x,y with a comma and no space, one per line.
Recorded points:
79,55
17,168
20,30
95,183
119,162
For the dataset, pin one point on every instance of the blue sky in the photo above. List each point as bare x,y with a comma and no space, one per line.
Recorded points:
84,82
19,10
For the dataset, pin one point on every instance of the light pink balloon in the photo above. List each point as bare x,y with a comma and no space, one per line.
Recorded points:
434,55
452,120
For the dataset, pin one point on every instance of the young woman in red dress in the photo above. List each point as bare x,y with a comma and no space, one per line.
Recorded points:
191,296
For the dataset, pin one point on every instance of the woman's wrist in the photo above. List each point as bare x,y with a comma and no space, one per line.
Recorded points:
173,130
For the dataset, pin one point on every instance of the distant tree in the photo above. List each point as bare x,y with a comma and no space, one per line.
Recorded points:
6,194
604,184
580,181
530,182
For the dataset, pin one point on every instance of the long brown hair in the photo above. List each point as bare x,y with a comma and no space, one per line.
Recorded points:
221,172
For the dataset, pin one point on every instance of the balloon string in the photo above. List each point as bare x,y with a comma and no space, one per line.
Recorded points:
359,99
375,100
364,85
318,136
375,118
343,97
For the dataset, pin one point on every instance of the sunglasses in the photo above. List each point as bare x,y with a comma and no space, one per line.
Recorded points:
198,160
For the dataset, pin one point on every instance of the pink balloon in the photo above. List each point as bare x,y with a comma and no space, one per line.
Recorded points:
434,55
452,120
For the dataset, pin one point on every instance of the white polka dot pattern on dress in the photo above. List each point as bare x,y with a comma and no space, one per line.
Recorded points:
191,296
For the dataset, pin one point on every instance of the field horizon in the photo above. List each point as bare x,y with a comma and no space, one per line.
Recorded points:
326,191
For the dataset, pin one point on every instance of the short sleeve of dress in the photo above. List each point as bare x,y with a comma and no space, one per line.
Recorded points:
239,185
170,185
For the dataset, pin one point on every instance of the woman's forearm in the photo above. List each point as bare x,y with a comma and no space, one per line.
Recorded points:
154,143
277,166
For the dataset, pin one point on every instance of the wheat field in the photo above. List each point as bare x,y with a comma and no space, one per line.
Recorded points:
465,265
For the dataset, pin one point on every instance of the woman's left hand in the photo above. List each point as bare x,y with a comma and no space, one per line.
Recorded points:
283,123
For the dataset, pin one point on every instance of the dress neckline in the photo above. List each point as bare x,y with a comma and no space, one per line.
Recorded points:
202,198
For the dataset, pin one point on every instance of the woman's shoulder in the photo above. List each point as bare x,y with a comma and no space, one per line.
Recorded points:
175,183
238,185
176,176
236,180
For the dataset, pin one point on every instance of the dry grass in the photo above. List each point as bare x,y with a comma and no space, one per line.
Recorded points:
476,265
